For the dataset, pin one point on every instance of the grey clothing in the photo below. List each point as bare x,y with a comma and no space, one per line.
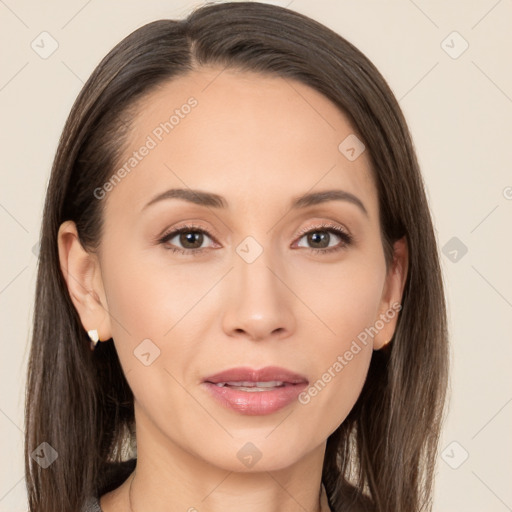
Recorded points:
92,506
113,476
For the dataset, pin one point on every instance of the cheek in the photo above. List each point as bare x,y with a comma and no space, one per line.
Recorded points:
148,306
348,307
154,307
344,298
147,299
341,366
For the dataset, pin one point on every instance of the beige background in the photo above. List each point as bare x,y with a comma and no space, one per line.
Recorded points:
460,114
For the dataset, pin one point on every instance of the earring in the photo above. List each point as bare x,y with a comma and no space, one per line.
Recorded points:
93,334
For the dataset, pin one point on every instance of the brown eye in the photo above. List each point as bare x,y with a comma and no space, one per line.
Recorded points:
319,239
191,239
187,239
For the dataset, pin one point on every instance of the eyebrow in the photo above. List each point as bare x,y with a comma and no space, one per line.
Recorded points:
212,200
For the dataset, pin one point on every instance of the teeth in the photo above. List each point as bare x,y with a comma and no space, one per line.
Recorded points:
247,384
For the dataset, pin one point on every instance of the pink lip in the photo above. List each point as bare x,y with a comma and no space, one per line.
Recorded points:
264,374
256,402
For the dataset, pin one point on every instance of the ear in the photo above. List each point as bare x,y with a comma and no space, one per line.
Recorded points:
390,305
81,270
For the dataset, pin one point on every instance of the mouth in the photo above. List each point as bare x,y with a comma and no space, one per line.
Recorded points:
255,392
251,386
270,375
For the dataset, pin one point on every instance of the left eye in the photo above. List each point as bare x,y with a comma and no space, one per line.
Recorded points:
324,236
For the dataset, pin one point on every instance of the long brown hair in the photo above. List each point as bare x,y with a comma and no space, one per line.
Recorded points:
382,456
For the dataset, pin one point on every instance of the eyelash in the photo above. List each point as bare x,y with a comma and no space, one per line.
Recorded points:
345,237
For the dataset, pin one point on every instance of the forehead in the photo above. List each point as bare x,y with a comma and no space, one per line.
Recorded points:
249,137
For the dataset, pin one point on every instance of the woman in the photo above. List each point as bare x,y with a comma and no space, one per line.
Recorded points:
236,222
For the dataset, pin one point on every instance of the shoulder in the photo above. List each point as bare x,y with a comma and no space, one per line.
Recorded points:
111,476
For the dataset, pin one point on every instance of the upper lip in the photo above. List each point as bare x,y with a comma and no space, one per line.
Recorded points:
246,374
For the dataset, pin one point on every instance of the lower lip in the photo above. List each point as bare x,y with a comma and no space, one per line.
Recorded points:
254,403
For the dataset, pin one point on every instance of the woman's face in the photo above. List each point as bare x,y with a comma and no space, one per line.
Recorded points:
244,285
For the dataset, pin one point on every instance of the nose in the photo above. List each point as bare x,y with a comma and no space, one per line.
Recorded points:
259,304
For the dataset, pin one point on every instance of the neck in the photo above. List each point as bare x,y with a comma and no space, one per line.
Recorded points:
274,491
174,479
213,476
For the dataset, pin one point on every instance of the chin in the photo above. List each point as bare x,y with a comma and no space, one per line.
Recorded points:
255,454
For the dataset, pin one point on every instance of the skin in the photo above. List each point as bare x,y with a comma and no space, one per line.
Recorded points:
259,141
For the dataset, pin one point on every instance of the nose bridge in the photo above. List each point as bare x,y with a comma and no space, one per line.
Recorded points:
259,301
256,266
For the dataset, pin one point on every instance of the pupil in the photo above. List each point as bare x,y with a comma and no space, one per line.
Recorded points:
189,236
315,238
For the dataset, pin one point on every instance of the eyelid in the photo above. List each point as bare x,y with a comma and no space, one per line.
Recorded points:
303,231
323,225
346,237
190,226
